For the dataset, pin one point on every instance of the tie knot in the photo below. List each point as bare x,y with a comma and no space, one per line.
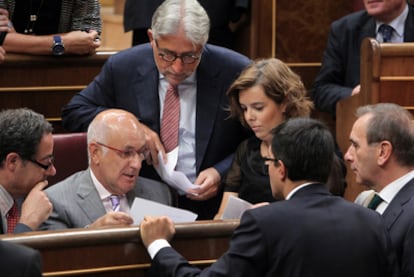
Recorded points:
386,32
115,201
375,201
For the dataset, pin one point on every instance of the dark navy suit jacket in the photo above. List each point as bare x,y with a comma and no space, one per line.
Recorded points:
19,260
312,234
399,219
129,80
340,71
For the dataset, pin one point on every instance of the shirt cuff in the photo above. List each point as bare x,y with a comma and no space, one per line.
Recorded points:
156,246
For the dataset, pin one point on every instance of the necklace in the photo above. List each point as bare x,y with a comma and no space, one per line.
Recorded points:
32,18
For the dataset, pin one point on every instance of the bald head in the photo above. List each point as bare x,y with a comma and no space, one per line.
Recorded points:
114,123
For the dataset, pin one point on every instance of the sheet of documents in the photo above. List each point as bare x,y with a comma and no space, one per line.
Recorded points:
176,179
142,207
235,208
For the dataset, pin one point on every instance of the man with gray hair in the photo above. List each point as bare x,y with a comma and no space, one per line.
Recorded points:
382,156
179,77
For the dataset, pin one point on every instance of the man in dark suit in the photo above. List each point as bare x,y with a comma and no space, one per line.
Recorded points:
116,148
382,156
339,75
137,80
19,261
311,233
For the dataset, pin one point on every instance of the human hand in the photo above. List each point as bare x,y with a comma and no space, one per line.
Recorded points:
4,20
153,228
208,181
154,146
113,219
80,42
261,204
36,207
356,90
2,54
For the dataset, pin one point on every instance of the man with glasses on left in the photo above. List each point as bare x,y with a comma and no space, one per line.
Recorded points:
26,155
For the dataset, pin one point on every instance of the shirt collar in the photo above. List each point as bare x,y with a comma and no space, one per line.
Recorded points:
388,192
398,23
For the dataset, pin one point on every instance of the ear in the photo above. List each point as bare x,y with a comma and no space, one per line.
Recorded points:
94,152
11,161
282,170
149,33
384,152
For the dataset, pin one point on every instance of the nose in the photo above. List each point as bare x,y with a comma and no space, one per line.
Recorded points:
136,161
249,115
178,65
51,171
348,154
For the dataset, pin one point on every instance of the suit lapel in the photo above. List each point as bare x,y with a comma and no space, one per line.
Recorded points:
409,25
208,99
396,207
88,198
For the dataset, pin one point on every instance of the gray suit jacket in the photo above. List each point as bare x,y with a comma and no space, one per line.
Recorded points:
76,202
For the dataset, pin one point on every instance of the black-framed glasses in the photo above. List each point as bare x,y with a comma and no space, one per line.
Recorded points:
171,56
44,166
267,160
126,154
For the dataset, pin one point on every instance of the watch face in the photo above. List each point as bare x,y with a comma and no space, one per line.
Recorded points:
58,49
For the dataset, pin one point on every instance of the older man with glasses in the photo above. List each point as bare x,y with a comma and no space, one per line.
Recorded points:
26,154
102,195
179,77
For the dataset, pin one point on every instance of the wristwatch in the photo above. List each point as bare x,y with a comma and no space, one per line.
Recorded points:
57,48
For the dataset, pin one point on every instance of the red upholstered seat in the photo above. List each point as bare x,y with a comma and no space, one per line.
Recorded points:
70,155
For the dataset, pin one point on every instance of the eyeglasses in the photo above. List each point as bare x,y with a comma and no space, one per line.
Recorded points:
171,57
126,154
44,166
268,160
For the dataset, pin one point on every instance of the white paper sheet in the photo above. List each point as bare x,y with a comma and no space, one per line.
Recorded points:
235,208
143,207
176,179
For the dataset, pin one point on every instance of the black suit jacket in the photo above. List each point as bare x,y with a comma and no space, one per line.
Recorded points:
129,80
340,71
19,261
399,219
312,234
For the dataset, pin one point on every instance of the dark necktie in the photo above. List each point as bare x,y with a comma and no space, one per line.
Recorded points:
375,201
386,32
170,119
12,218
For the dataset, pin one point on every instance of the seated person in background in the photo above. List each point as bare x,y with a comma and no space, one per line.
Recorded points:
26,155
179,64
267,93
4,28
339,74
18,260
103,194
53,27
311,233
382,156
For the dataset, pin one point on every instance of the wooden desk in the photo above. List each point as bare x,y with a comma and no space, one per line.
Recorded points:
387,75
46,83
119,251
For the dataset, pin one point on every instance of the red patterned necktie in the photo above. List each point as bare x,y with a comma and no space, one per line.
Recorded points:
12,218
170,119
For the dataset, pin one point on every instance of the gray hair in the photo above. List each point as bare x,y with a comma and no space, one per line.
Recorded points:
188,15
392,123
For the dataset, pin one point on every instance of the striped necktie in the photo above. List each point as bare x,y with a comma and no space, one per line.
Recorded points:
116,202
170,119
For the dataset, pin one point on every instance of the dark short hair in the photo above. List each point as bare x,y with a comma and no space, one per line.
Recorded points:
21,132
306,147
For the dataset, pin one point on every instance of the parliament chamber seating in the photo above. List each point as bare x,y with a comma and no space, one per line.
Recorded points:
387,76
70,154
119,252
